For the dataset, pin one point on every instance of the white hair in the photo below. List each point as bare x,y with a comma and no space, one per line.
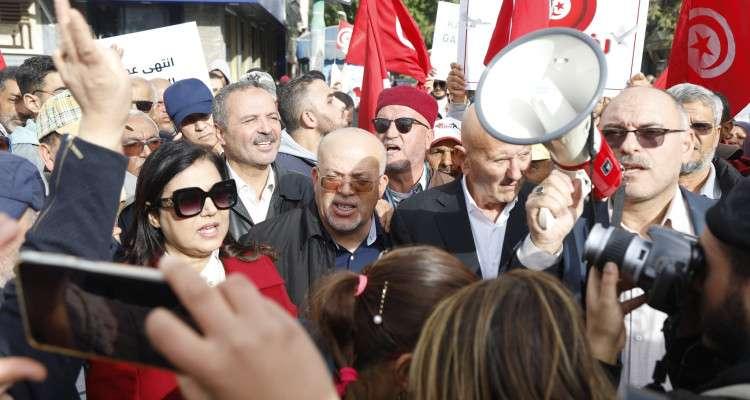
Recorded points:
689,93
139,113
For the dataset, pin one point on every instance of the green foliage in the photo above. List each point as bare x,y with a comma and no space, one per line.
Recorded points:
662,17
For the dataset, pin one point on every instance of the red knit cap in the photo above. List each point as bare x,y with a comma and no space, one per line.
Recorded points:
411,97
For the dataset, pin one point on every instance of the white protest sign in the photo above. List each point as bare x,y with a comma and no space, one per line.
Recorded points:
476,24
618,25
173,52
445,39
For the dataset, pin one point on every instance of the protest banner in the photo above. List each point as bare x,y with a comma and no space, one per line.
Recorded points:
173,52
445,39
618,25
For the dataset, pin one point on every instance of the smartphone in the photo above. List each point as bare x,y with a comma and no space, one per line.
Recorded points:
92,309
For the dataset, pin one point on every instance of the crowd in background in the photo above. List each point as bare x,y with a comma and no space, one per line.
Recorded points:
319,260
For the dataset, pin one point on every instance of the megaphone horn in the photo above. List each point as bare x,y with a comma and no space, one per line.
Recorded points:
542,88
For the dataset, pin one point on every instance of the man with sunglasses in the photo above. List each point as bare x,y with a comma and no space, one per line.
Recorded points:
649,132
403,122
143,94
340,229
705,173
140,137
38,80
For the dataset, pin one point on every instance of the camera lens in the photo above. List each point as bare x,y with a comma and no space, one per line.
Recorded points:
625,249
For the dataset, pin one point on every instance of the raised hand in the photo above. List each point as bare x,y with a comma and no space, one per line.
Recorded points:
95,77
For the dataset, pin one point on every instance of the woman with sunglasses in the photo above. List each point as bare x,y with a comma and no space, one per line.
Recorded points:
181,209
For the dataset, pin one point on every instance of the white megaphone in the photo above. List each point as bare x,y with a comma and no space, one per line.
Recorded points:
542,88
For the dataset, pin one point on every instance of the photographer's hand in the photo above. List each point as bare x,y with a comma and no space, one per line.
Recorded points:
246,345
605,327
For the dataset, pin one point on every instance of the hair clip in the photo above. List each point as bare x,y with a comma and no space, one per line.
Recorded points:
378,318
361,285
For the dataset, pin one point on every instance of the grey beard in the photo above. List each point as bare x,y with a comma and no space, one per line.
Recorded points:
692,166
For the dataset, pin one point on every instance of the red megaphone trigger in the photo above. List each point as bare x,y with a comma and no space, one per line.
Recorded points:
604,171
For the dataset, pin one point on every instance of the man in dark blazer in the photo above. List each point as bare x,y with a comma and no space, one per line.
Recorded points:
480,217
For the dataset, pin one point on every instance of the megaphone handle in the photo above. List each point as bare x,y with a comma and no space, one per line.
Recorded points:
545,218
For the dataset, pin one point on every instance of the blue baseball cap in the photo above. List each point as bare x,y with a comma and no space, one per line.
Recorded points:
21,186
187,97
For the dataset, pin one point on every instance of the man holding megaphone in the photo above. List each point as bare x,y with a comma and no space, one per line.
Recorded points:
543,89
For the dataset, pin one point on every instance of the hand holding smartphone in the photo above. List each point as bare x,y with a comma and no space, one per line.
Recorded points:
92,309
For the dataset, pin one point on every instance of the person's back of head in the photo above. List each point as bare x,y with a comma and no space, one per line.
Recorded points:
517,337
371,322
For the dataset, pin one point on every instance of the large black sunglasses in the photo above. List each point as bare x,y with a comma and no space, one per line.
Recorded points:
189,202
143,105
403,124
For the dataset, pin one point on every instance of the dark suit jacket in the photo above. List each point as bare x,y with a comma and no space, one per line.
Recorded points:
438,217
572,267
292,191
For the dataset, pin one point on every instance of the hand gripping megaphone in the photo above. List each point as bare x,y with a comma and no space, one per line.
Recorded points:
542,88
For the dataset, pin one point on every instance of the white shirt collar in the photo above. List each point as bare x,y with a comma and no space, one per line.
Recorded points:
711,187
423,179
677,216
474,209
214,272
270,181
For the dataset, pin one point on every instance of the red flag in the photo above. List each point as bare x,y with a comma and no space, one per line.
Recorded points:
661,81
516,18
367,25
400,42
2,61
710,49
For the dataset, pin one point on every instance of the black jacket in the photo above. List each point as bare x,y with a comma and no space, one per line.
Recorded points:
438,217
731,384
77,220
292,191
726,175
305,250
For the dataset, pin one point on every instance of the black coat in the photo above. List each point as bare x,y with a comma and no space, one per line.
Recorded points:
305,251
438,217
292,191
726,175
77,220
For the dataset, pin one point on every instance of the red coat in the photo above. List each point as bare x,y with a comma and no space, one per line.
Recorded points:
122,381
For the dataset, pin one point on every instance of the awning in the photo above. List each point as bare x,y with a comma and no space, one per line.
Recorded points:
277,8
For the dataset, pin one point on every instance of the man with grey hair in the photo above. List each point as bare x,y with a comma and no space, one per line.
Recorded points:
310,111
340,229
705,173
249,128
140,138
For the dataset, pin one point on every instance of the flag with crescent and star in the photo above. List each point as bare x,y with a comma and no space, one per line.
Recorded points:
710,49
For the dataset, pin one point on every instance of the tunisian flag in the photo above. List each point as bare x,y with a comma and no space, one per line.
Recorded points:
516,18
710,49
385,38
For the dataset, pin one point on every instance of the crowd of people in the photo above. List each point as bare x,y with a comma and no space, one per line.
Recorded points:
320,261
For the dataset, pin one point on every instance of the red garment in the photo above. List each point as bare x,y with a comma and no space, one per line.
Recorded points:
742,165
123,381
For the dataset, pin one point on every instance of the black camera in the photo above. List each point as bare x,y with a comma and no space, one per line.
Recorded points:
664,267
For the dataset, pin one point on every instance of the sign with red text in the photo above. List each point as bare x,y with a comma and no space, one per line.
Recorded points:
618,25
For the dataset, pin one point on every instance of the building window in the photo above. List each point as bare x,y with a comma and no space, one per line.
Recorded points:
112,19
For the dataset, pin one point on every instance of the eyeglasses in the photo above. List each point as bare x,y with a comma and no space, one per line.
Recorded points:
134,148
189,202
403,124
647,137
702,128
143,105
333,183
52,93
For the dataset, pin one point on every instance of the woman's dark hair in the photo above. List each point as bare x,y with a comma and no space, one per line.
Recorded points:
144,243
417,277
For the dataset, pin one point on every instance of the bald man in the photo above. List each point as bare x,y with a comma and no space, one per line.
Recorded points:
339,230
144,94
479,218
649,132
159,112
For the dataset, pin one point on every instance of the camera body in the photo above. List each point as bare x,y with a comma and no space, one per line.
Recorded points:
664,266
